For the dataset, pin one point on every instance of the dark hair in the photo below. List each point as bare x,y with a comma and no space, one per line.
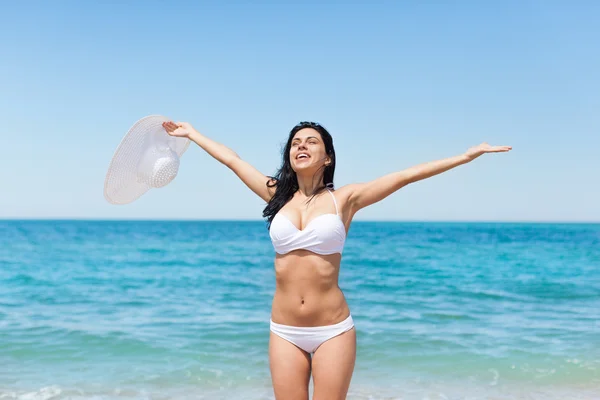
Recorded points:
285,180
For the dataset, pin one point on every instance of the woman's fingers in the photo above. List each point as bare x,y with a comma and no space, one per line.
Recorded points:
179,129
169,126
497,149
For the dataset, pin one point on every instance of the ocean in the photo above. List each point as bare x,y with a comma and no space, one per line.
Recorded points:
109,310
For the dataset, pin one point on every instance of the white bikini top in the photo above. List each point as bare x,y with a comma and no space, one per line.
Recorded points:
325,234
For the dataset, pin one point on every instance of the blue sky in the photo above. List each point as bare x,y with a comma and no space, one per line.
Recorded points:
396,83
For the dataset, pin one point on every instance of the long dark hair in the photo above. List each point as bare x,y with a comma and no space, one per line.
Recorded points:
285,180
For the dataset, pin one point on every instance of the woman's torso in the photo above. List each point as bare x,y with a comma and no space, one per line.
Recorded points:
307,291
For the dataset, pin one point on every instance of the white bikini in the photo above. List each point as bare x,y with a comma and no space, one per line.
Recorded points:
325,234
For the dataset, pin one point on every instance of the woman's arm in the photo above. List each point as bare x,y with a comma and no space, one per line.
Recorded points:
364,194
254,179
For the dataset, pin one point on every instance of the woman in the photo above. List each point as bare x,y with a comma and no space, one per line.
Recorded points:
311,326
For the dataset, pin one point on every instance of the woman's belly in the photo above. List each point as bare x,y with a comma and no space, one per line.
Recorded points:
307,291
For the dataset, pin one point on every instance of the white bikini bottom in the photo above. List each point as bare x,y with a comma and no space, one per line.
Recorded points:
309,338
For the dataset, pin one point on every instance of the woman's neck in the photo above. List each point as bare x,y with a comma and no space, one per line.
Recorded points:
308,185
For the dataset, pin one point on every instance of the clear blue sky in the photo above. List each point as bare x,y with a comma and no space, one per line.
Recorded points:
396,83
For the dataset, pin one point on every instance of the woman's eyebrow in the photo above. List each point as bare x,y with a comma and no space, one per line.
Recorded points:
308,137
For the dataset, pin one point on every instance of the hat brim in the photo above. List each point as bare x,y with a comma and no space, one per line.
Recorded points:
122,185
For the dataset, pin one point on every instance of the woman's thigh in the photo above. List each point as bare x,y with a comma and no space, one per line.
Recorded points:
290,369
333,365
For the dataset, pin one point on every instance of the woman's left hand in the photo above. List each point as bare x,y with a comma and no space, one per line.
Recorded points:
483,148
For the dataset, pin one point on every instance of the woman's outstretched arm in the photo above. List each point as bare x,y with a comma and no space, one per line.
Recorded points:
364,194
254,179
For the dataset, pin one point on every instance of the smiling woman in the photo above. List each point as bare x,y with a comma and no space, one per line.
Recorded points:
312,331
309,151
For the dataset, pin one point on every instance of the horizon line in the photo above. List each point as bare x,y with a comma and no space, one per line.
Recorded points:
144,219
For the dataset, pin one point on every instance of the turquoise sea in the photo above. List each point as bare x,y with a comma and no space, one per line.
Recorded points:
110,310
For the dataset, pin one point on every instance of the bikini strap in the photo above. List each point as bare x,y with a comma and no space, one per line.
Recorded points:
334,201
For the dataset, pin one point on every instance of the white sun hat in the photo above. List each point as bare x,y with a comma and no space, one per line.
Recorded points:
147,157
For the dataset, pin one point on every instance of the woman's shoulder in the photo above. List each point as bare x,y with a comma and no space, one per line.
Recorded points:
346,190
344,193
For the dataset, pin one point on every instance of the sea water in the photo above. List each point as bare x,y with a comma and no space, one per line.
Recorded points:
180,310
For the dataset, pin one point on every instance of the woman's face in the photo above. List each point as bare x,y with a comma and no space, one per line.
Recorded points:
308,151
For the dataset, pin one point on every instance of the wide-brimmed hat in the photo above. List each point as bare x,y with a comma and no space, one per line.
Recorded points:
147,157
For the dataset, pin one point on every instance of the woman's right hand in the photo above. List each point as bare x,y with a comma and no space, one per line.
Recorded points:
178,129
